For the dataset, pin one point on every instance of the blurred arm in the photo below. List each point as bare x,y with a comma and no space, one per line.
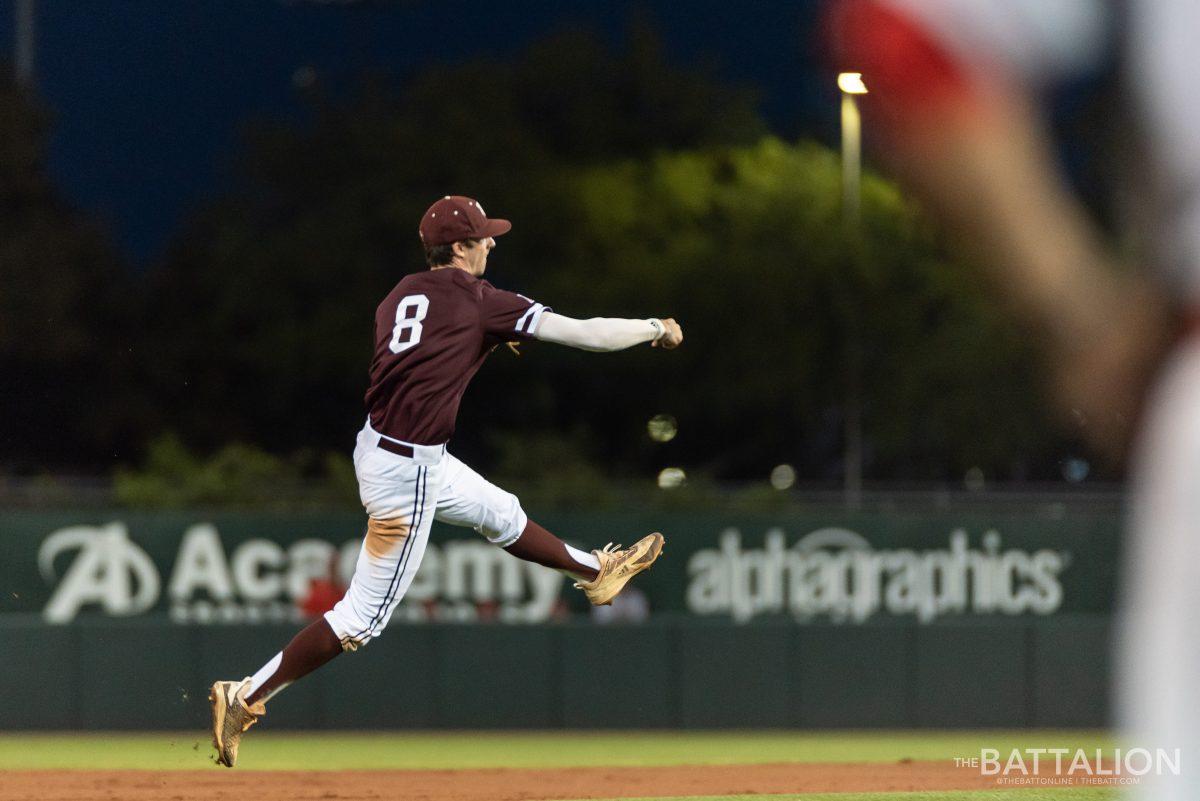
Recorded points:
600,333
965,135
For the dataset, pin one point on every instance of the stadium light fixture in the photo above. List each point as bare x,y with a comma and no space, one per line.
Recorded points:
852,83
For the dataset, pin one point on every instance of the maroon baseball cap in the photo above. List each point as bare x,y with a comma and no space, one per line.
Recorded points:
454,218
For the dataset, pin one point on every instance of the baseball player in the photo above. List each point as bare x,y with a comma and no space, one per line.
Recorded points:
956,81
432,333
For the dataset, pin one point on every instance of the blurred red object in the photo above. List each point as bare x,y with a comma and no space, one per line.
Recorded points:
323,593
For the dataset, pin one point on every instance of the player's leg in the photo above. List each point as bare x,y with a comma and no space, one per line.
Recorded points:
321,642
315,645
1159,633
468,499
536,544
398,493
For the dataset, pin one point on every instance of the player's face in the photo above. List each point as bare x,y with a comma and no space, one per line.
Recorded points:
476,255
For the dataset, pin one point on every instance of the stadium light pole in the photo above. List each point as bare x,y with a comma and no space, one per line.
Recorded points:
851,86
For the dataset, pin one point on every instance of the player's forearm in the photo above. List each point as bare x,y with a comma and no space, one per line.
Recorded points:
597,333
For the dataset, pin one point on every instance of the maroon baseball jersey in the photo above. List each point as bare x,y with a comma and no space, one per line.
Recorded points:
432,333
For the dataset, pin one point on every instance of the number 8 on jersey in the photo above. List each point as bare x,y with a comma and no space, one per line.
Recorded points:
408,322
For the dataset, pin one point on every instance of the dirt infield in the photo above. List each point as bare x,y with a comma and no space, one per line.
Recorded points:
484,785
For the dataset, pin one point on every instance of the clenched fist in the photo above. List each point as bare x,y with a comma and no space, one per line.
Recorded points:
671,337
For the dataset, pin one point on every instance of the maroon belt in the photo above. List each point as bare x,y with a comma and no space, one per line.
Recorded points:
398,448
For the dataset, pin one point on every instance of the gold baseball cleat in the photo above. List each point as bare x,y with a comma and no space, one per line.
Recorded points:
231,716
618,566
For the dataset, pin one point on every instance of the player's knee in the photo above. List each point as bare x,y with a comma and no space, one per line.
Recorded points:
351,628
505,521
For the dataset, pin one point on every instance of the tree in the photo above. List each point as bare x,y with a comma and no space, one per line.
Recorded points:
636,190
746,246
264,304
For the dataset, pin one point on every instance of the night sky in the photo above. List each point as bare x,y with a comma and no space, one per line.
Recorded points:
148,95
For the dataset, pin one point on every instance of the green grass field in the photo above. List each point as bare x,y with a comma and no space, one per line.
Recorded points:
441,750
265,750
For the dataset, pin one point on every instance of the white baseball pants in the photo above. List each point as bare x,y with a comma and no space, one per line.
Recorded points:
403,496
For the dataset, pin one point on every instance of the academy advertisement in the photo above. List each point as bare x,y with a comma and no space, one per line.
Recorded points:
193,568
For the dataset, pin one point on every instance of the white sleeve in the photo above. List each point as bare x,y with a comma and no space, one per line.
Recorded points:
598,333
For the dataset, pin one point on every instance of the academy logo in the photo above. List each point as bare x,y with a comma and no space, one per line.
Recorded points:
260,581
835,573
108,570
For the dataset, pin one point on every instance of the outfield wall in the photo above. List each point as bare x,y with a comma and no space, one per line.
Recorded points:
152,674
914,616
